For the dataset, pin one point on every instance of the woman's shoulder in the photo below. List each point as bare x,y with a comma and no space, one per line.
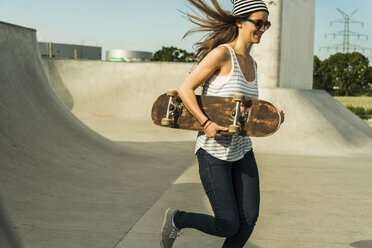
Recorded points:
221,53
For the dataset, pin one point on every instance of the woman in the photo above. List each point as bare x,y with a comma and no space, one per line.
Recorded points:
227,166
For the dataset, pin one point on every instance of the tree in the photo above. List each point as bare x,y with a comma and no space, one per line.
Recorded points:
347,73
322,80
172,54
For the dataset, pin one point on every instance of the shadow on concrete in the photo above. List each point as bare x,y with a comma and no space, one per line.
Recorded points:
362,244
249,245
8,239
58,84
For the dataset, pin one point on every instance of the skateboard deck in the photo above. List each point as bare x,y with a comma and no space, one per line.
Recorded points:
256,118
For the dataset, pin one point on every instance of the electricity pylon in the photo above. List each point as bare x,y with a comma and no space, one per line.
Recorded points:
346,46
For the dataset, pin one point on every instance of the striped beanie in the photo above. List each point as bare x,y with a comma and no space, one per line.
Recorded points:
242,7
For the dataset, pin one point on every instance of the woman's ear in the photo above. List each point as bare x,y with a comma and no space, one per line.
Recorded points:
238,23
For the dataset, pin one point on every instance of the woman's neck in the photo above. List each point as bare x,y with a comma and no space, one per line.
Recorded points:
241,48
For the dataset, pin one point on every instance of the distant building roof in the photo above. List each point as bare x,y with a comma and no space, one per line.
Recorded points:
59,50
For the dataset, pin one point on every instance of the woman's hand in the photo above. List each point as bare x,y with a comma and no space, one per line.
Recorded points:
211,129
282,116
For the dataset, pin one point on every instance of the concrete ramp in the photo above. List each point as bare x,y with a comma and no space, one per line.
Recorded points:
62,184
316,125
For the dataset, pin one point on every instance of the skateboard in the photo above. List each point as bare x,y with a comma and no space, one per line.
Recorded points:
243,116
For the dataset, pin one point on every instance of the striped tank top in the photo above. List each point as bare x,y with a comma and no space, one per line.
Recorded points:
228,147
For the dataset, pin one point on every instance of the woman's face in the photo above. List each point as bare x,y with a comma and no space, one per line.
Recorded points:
249,31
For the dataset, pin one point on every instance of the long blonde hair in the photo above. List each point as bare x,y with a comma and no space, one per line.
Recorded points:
219,24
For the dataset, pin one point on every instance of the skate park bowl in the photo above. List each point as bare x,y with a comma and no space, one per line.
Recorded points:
99,91
82,165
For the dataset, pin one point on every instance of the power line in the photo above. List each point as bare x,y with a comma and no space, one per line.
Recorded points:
346,46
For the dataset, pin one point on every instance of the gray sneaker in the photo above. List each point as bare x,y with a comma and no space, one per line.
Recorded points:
168,233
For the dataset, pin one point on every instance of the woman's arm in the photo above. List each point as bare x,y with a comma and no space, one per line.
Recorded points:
217,59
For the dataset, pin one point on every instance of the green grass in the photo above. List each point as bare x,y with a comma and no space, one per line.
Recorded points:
361,106
355,101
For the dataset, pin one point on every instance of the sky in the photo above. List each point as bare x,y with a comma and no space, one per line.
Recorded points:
147,25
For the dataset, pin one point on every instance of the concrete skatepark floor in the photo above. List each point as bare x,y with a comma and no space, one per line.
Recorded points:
305,202
72,178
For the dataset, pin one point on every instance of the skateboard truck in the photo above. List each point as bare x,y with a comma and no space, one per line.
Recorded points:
171,109
234,128
243,115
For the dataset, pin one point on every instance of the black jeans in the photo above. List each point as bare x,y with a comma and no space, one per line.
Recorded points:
233,191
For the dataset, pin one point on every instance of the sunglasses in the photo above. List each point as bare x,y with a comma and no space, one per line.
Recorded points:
259,23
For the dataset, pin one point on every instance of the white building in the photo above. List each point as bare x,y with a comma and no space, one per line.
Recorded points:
127,55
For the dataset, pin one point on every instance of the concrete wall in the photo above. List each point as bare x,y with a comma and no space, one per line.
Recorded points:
103,88
267,53
297,44
285,54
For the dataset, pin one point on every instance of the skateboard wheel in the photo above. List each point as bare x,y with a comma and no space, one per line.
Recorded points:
234,129
238,97
166,122
172,93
